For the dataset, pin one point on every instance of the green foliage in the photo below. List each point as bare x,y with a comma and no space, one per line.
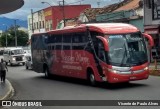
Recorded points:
22,37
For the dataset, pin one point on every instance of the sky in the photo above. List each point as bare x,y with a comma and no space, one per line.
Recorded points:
36,5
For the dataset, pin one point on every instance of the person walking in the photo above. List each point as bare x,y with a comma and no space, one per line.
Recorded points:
3,69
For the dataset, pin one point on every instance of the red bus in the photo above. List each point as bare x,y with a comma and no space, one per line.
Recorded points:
113,52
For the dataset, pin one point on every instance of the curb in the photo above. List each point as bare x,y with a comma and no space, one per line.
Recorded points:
10,92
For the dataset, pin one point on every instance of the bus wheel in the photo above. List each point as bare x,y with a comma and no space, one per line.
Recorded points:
92,80
47,74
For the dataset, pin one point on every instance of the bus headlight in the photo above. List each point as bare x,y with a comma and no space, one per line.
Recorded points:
146,68
113,70
23,58
13,58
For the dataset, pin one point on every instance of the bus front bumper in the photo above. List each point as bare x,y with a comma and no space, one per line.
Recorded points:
117,78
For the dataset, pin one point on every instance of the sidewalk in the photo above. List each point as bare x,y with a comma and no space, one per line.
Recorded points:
6,90
152,66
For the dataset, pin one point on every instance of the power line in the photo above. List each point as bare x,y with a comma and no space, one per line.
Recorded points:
75,2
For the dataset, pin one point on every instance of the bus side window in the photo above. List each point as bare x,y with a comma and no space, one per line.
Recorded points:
67,41
79,41
45,38
58,42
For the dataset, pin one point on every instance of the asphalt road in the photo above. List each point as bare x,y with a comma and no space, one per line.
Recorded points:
30,85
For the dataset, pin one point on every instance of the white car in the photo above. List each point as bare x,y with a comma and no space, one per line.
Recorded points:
14,56
28,62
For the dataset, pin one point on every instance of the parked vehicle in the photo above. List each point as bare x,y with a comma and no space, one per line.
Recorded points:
14,56
1,52
28,62
27,51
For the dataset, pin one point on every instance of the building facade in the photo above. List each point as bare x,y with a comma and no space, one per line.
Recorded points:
49,18
55,14
131,12
152,21
37,23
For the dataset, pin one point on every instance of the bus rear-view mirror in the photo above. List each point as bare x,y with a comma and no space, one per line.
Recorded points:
150,39
105,42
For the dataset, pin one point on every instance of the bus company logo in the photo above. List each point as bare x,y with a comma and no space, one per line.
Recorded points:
6,103
21,103
77,58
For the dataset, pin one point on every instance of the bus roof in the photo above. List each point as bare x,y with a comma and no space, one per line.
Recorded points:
113,28
106,28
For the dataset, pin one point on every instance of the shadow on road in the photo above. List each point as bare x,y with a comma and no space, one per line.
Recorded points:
104,85
15,65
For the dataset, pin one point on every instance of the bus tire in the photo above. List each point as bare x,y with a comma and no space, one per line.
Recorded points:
91,78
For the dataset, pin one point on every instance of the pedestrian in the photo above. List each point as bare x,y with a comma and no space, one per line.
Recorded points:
3,69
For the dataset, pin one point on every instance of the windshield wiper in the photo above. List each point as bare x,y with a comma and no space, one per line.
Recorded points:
123,63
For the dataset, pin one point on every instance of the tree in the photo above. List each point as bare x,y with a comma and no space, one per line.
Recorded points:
22,37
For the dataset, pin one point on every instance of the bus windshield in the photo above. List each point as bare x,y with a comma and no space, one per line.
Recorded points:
127,49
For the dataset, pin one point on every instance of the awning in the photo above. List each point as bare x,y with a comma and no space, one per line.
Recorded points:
152,31
7,6
151,26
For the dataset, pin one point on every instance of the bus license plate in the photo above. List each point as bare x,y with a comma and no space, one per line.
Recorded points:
133,77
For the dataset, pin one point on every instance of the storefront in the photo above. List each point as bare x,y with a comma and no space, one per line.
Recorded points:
153,30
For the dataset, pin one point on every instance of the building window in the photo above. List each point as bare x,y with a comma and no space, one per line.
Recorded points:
42,24
30,27
155,9
46,24
37,26
50,24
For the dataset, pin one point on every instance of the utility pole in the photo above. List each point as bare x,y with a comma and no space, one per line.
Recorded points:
32,20
15,30
64,15
6,35
50,27
98,3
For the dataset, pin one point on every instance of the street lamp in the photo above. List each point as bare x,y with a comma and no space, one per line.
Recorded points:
6,35
51,12
63,13
15,31
47,3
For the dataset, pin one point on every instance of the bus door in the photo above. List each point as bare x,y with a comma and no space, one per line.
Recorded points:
101,56
96,45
